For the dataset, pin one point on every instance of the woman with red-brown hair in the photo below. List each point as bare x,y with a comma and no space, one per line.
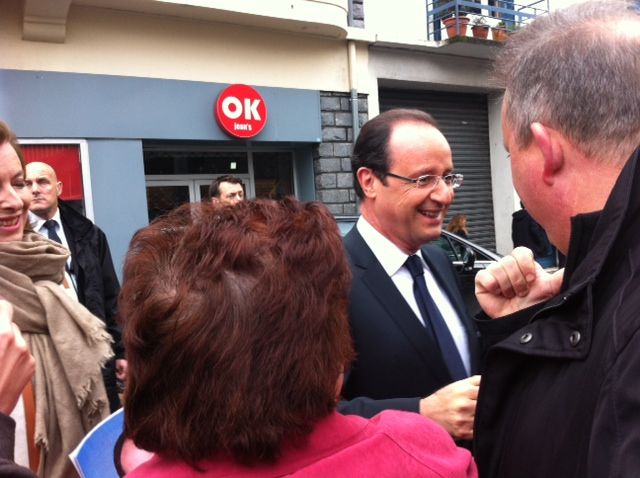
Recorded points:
237,337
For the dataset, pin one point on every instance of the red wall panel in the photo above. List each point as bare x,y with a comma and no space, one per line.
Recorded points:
65,160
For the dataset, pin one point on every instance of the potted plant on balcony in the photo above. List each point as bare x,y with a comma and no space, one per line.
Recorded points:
456,25
479,28
452,23
499,32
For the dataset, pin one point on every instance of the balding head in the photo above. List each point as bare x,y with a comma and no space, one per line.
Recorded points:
576,70
46,188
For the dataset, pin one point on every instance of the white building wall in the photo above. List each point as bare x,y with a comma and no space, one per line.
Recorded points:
420,70
400,21
505,200
117,42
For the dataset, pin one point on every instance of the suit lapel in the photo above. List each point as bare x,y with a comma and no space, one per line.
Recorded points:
398,312
71,241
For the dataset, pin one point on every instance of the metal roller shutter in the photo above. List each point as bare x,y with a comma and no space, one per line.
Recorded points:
463,119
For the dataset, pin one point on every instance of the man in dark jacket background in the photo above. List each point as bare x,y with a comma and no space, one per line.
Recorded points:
90,266
560,396
525,231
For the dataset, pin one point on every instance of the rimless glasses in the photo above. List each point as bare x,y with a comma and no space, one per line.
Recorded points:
429,181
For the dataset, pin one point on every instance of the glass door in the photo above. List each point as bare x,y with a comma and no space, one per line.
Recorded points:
202,189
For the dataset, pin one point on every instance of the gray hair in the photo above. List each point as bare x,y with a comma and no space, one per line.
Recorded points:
577,71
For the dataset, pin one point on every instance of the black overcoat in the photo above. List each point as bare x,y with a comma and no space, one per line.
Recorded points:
560,396
96,279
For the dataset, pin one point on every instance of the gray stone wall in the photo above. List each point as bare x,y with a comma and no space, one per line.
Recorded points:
332,157
358,13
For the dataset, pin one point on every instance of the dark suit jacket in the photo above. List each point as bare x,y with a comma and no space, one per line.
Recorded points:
397,362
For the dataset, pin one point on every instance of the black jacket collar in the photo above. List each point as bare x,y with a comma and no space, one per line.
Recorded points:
593,235
75,224
593,238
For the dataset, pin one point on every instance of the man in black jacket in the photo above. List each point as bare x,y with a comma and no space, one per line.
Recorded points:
90,266
560,395
526,232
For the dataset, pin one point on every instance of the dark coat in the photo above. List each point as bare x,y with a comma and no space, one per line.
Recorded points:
525,231
91,262
397,362
8,468
560,396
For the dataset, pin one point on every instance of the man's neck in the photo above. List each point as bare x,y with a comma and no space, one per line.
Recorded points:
373,222
46,215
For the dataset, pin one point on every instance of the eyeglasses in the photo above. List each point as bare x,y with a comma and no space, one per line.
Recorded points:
429,181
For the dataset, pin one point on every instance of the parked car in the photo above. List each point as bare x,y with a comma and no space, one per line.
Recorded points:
466,256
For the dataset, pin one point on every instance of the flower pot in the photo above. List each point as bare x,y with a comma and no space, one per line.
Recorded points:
499,34
451,23
480,31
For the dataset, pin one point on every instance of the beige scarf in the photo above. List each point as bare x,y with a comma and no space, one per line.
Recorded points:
70,346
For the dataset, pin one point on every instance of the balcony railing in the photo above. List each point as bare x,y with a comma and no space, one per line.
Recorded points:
447,19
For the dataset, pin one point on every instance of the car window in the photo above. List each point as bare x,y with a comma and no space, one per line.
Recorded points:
444,243
482,257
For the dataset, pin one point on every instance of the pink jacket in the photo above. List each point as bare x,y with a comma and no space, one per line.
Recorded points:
391,444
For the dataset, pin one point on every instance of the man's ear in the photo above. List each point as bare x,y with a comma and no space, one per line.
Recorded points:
547,142
59,188
367,180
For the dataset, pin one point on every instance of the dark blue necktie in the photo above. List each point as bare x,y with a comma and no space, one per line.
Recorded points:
50,226
433,318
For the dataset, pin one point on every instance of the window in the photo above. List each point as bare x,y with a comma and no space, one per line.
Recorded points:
180,173
273,173
66,158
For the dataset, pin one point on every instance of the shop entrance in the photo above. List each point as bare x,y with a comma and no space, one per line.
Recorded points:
177,174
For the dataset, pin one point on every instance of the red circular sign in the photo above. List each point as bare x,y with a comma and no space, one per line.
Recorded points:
241,111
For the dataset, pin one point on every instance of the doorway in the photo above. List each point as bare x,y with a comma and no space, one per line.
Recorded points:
179,173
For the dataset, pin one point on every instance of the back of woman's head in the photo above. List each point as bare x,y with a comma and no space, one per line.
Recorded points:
235,326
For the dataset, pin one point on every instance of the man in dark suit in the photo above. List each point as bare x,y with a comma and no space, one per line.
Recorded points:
416,345
90,266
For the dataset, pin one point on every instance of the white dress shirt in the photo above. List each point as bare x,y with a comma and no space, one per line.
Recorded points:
392,260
